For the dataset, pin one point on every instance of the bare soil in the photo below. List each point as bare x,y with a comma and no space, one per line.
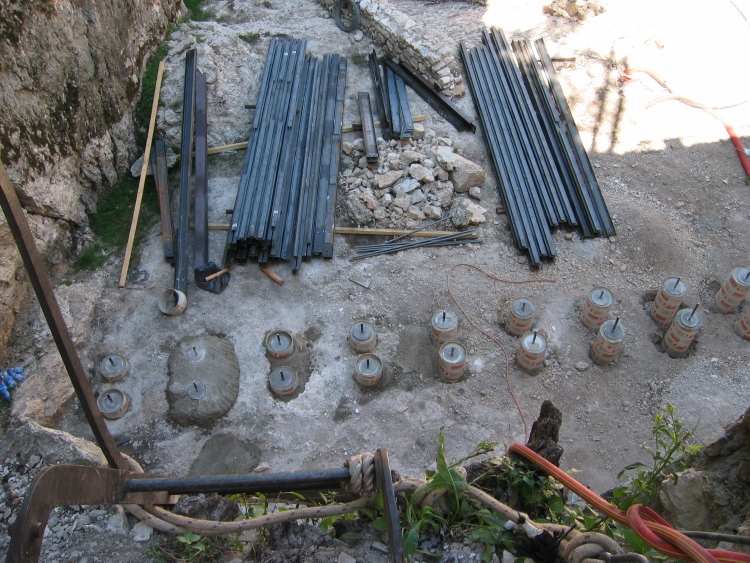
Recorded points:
679,202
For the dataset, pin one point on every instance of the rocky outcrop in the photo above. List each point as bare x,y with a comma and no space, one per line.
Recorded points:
714,494
69,74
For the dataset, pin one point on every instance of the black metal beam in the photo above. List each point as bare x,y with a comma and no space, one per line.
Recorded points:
159,167
200,231
186,165
368,127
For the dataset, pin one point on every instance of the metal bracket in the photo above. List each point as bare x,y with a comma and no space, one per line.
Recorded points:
385,486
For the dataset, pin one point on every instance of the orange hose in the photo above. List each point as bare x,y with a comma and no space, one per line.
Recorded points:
655,531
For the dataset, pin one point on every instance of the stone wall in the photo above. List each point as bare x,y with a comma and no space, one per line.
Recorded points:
69,75
403,38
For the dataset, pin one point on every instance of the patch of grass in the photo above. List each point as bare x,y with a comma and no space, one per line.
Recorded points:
250,38
266,4
197,12
111,221
90,259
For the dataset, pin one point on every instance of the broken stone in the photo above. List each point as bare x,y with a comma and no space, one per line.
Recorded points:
417,197
405,186
460,216
476,213
346,147
475,192
358,144
418,132
414,212
357,209
420,173
358,35
386,180
582,366
369,199
141,532
445,141
432,212
408,157
402,202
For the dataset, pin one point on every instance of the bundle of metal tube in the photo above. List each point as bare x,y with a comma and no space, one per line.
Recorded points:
542,180
287,193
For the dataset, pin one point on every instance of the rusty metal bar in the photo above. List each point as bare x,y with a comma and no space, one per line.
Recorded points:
200,211
390,508
62,485
368,127
159,167
19,227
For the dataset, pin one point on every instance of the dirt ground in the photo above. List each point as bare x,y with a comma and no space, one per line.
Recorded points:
674,187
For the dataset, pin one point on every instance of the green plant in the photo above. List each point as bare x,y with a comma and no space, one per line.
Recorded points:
187,548
359,59
90,259
250,38
671,445
148,87
197,12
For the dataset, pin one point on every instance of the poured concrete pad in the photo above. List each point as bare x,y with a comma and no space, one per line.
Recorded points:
210,361
226,454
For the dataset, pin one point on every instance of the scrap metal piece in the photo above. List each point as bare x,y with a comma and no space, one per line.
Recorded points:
381,96
368,127
39,279
186,150
62,485
159,165
404,112
438,101
390,508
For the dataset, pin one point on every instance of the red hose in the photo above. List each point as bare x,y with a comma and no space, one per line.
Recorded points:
627,74
654,530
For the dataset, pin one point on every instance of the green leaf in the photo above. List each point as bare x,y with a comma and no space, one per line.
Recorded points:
411,542
379,524
635,465
446,477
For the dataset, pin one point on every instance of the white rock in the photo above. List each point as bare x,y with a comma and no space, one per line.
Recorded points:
141,532
358,35
418,132
405,186
432,212
386,180
415,213
402,202
420,173
417,196
475,192
346,147
445,141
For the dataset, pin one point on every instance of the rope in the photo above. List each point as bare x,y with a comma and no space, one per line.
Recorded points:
653,529
589,546
361,474
489,335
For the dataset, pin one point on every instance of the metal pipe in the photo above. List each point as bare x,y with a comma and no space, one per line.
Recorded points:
200,231
229,484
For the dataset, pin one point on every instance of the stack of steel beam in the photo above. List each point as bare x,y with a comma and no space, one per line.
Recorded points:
287,193
391,101
543,173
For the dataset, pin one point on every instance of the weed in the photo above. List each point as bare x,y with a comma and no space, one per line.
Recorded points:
266,4
671,445
359,59
90,259
197,12
250,38
187,548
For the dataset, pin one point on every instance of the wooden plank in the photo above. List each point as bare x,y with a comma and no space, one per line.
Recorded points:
395,232
142,181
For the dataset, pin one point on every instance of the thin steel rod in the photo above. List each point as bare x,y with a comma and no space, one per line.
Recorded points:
200,211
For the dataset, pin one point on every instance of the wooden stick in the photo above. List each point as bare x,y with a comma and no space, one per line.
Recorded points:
273,275
217,274
213,226
142,181
394,232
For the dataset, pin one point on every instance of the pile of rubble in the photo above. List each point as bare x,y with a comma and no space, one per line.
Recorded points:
423,179
576,10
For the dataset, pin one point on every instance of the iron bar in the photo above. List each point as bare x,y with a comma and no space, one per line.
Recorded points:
381,96
393,103
368,127
404,113
200,205
32,261
600,207
229,484
390,507
438,101
159,167
186,162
